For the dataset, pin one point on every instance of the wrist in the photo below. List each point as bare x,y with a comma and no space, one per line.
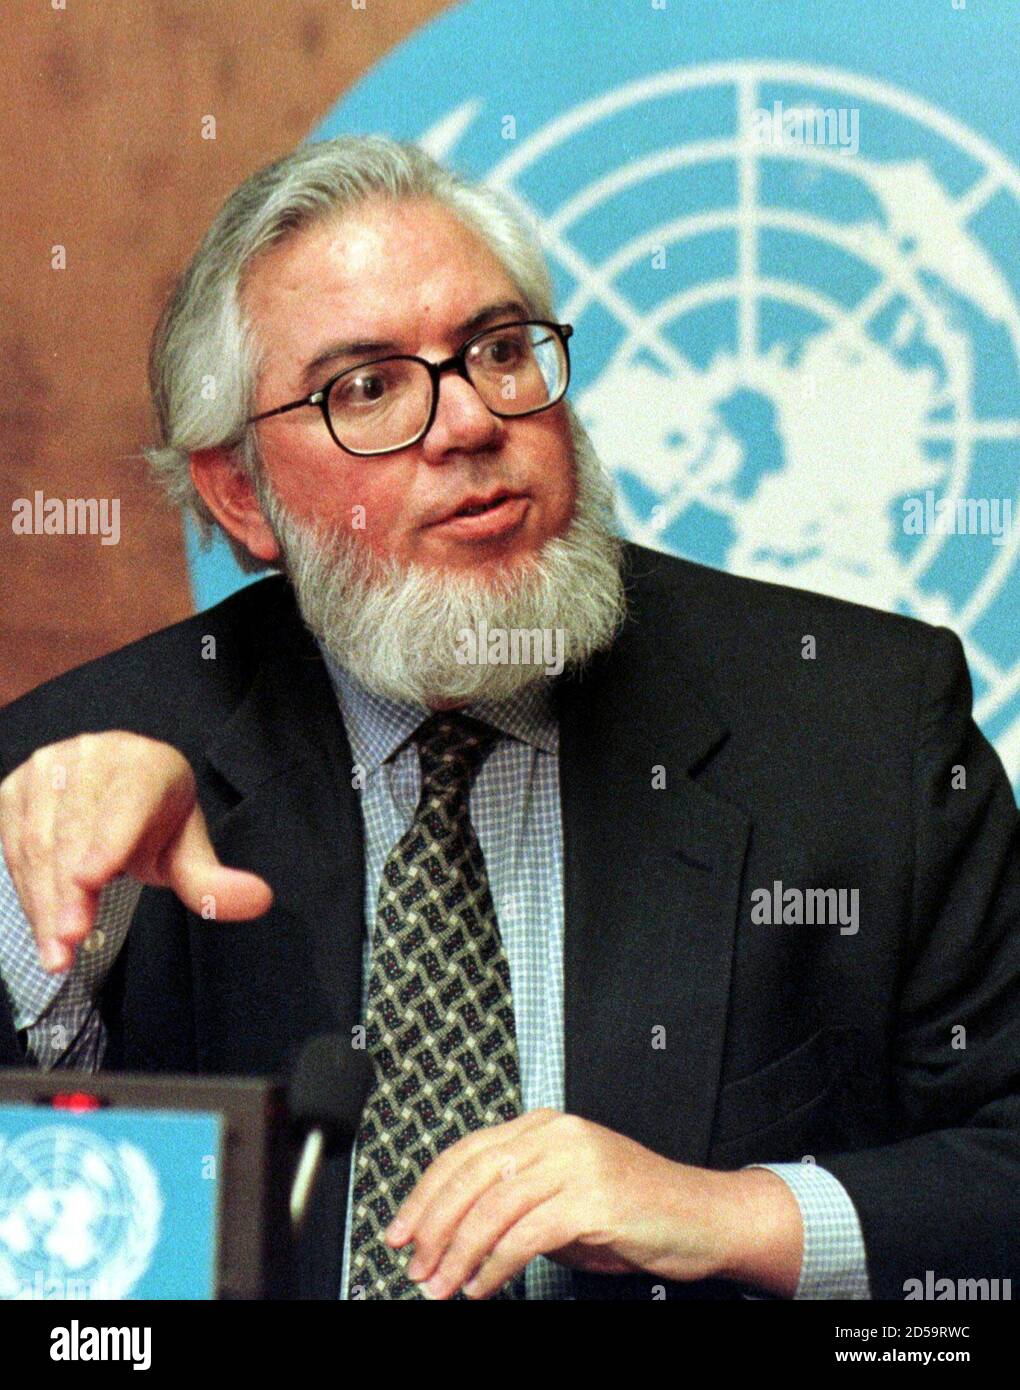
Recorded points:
761,1232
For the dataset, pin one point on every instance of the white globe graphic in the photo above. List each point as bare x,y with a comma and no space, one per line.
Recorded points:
79,1217
805,339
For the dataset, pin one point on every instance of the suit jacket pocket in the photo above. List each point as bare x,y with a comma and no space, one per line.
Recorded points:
783,1090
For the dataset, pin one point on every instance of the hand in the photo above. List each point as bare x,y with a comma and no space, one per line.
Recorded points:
79,813
557,1185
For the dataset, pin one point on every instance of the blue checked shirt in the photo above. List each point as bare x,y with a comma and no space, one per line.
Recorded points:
515,809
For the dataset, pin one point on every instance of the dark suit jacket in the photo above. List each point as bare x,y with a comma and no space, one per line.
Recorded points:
781,1040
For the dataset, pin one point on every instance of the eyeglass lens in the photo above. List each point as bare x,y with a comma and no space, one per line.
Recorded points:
516,370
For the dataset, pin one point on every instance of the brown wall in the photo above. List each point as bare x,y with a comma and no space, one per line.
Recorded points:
102,150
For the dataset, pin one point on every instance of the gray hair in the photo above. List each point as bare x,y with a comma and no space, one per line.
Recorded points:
204,359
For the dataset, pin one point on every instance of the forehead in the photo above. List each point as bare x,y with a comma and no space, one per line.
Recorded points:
403,271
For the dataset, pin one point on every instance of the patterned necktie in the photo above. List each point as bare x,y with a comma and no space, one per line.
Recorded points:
439,1019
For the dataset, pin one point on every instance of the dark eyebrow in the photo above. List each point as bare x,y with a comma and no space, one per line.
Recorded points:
363,349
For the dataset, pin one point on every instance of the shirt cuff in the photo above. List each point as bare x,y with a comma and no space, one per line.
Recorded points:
39,999
835,1261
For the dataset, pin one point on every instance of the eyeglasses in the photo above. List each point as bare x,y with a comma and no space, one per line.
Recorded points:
390,403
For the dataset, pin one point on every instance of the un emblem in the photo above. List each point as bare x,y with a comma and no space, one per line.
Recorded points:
798,340
79,1217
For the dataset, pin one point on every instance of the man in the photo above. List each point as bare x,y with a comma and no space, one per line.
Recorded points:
563,909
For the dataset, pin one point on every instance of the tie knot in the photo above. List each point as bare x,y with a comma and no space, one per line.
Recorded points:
451,746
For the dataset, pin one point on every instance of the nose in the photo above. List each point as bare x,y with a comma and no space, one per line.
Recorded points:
462,422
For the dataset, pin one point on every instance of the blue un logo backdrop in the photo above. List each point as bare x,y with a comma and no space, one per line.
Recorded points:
788,236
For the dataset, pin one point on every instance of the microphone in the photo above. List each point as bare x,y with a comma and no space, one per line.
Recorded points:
327,1091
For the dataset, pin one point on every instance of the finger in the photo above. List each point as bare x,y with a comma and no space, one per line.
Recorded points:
205,885
61,917
73,908
58,925
28,842
440,1221
74,917
55,956
480,1230
539,1230
37,902
184,860
19,870
441,1169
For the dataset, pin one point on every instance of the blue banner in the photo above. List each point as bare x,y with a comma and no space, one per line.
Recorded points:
108,1204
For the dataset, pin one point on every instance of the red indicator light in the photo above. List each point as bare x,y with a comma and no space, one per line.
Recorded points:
78,1101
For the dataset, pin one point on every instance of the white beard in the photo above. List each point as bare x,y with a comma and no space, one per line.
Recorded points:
398,629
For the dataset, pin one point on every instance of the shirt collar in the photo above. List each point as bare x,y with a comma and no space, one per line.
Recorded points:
377,727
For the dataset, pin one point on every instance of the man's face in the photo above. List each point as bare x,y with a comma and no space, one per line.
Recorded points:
404,278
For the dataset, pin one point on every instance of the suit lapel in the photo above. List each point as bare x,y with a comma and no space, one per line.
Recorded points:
298,821
651,884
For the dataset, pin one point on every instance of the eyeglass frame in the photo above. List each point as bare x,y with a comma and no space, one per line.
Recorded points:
457,363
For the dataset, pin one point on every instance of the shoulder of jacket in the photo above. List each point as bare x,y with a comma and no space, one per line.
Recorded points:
662,585
158,685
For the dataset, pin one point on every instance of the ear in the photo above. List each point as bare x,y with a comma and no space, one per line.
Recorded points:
227,491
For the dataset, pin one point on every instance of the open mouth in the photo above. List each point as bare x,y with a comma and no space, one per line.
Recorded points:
482,506
486,520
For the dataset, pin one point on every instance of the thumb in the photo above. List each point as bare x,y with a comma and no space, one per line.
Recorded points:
206,886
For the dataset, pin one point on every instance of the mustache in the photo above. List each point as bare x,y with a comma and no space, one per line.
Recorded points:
399,628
